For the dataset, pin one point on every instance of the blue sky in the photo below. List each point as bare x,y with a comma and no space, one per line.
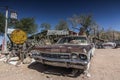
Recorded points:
106,13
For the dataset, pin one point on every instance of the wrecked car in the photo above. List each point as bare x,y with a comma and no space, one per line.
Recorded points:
109,45
70,52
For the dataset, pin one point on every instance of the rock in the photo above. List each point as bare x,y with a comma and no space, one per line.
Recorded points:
14,59
13,62
47,77
27,60
88,75
18,63
3,58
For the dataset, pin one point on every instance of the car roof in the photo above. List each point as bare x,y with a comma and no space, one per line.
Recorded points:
76,36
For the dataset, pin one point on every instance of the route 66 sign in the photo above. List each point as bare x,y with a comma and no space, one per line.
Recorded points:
18,36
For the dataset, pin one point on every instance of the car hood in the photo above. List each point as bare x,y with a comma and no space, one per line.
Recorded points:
62,48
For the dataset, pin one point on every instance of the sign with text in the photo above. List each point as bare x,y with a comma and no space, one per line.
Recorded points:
57,32
13,15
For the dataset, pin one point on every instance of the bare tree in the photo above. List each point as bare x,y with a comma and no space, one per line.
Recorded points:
45,26
62,25
82,23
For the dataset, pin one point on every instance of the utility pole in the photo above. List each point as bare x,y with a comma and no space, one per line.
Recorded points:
6,25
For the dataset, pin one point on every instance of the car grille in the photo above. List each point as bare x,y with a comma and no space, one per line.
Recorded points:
56,56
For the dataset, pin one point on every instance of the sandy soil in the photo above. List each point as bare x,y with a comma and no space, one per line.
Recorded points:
105,65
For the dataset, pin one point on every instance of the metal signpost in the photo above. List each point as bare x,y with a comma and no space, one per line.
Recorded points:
6,24
14,16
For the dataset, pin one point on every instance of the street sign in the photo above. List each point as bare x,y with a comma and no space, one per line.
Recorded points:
57,32
13,15
18,36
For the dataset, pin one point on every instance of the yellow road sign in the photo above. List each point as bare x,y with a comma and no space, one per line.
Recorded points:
18,36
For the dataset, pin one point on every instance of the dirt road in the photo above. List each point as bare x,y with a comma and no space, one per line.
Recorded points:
105,65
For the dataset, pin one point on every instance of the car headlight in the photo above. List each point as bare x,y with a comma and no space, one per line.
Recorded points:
83,57
74,56
34,53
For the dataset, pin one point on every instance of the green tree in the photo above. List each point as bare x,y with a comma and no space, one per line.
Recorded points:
84,23
2,24
62,25
45,26
27,24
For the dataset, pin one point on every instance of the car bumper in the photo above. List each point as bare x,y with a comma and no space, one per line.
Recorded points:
62,62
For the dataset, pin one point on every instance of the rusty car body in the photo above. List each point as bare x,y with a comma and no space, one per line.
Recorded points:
70,52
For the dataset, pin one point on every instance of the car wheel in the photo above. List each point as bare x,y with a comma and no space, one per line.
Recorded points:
75,73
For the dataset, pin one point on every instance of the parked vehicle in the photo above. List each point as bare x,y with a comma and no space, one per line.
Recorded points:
70,52
99,45
109,45
117,43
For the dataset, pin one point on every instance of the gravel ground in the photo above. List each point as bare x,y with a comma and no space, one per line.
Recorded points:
105,65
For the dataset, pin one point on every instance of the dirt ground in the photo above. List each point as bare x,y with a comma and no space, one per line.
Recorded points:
105,65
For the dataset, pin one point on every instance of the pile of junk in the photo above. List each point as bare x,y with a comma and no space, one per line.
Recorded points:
17,50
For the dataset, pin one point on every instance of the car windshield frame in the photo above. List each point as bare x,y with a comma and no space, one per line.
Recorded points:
68,40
